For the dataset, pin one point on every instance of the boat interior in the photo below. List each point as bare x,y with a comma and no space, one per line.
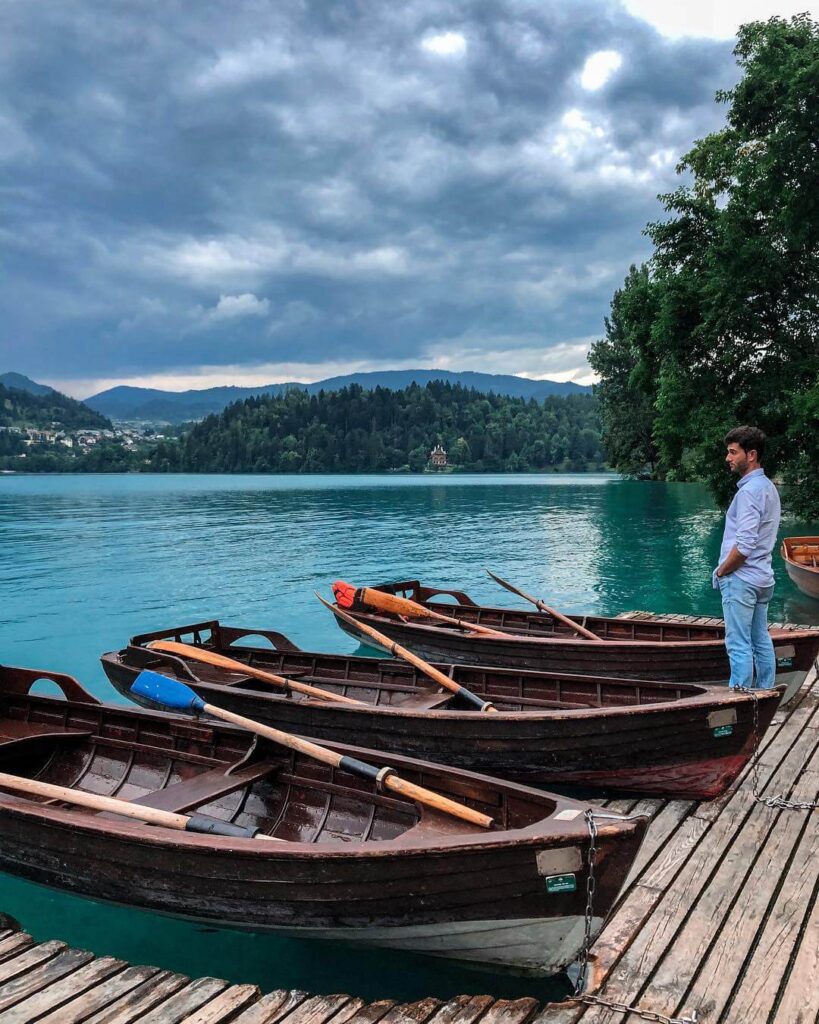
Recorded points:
803,551
534,623
386,683
183,766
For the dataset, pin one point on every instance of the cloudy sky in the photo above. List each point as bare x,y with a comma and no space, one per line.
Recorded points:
206,192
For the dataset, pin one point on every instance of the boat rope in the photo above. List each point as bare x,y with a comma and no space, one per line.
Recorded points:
777,802
592,817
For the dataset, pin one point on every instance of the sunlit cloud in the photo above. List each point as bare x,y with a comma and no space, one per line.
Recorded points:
445,44
599,68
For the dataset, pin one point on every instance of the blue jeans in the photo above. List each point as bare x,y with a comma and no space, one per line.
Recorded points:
747,640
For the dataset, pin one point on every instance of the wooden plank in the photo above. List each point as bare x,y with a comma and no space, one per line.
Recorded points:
742,814
185,1001
272,1007
720,930
57,993
642,929
559,1013
14,944
779,938
799,1002
28,959
45,974
412,1013
350,1010
662,829
134,1004
370,1013
225,1006
315,1010
462,1010
83,1006
510,1011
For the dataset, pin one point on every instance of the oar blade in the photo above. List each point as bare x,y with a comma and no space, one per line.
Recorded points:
167,693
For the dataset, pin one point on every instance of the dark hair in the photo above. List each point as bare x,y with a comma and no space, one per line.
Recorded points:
749,439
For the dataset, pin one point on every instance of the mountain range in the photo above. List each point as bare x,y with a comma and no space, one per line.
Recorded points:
129,403
154,405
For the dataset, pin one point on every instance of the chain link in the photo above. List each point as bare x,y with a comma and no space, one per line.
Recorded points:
583,961
776,802
611,1004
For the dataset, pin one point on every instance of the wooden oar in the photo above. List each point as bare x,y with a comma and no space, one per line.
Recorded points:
172,694
220,661
114,805
401,652
347,595
542,606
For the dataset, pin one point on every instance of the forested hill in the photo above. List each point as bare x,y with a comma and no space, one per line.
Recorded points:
359,431
20,408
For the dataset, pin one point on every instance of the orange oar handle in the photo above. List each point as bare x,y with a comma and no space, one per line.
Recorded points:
401,652
395,605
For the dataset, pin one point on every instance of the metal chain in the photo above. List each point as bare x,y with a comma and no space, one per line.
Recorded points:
776,802
583,962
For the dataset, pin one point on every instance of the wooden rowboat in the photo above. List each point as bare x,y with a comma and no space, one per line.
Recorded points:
351,863
801,556
677,652
617,735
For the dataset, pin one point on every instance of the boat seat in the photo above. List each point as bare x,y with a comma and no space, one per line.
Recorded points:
422,701
205,788
433,824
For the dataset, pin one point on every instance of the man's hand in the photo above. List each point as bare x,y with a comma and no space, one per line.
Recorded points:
733,560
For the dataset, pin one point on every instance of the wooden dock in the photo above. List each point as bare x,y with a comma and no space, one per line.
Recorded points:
720,916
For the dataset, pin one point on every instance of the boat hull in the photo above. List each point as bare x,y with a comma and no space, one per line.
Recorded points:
363,867
688,742
696,662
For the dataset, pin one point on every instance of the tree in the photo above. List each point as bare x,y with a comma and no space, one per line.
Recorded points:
732,294
625,362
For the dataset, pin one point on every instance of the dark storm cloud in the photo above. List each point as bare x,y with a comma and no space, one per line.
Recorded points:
257,183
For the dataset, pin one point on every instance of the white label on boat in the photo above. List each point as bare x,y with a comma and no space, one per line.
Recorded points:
564,861
568,815
726,716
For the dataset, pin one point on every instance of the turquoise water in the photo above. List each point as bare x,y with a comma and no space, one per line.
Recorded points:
87,561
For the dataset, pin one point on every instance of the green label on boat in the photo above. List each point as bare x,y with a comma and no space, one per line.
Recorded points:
561,883
784,662
723,730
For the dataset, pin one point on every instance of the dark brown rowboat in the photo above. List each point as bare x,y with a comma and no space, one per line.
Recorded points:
677,652
801,556
618,735
353,864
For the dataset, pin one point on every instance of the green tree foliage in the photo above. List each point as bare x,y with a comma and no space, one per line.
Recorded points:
722,328
360,431
21,408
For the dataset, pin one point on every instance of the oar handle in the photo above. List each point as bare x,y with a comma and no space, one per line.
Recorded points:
233,665
384,777
543,607
201,823
382,601
436,801
401,652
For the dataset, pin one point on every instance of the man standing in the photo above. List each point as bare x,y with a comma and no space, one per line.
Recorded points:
744,575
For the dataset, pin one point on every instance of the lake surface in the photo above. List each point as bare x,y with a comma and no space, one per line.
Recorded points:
87,561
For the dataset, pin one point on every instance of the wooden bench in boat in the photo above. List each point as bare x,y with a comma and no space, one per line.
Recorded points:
206,787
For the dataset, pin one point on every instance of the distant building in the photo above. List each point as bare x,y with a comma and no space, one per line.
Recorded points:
438,457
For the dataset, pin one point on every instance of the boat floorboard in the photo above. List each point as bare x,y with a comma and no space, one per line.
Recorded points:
719,916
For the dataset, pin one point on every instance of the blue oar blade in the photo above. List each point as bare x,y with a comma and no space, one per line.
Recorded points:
169,693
